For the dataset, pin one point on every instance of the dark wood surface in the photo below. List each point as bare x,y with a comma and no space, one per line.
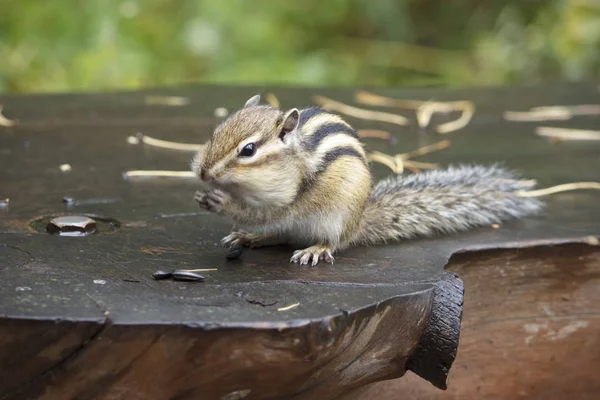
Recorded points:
369,317
530,330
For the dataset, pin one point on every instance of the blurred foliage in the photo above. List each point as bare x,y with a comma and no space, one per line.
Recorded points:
62,45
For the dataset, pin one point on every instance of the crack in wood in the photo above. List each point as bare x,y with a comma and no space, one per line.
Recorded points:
15,393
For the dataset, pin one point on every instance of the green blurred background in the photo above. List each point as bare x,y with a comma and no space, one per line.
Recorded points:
96,45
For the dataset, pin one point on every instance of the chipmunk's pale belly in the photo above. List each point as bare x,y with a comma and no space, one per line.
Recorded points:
308,231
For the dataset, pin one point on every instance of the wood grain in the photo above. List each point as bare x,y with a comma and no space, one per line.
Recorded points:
83,318
531,328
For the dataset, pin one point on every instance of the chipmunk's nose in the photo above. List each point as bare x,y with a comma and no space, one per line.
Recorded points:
205,176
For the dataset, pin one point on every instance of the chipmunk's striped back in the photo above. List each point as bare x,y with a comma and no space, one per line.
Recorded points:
336,180
326,137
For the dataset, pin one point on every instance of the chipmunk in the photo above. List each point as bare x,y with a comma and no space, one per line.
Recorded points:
302,176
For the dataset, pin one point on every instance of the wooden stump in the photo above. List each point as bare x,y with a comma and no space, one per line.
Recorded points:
531,328
82,317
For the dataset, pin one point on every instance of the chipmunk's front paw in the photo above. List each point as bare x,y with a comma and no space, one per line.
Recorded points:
312,255
238,239
211,200
252,240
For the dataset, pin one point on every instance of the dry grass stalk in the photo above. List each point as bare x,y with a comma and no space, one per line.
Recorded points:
399,162
387,160
409,165
5,121
461,122
419,165
424,109
159,174
566,187
567,133
552,113
376,100
425,150
529,116
164,143
360,113
580,109
374,133
425,112
372,99
167,100
413,166
272,99
288,307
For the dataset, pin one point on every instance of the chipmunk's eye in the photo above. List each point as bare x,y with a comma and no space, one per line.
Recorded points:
248,150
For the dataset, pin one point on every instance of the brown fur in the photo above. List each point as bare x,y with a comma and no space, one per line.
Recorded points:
263,192
241,125
309,181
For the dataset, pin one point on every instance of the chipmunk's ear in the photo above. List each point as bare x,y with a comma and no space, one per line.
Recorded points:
253,101
290,123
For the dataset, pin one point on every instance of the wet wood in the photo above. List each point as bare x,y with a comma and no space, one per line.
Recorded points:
95,324
531,328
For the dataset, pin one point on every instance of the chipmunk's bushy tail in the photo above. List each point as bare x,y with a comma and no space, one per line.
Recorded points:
442,202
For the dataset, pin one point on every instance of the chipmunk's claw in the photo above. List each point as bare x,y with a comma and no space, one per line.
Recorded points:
211,200
238,239
251,240
199,196
312,255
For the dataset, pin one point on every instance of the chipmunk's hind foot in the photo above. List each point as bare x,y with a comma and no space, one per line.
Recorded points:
312,255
